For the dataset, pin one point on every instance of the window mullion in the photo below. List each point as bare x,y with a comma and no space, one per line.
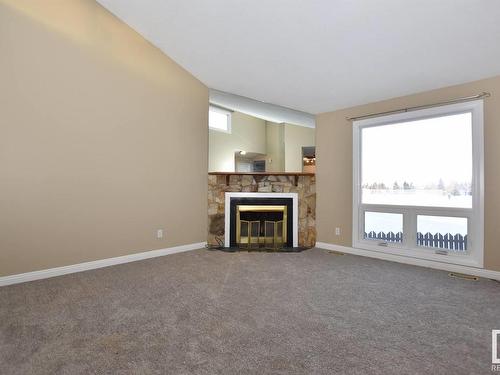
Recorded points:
409,228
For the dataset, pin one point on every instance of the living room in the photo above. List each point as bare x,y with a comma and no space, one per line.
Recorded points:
266,187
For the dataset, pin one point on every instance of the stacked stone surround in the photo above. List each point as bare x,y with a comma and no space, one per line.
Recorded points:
305,189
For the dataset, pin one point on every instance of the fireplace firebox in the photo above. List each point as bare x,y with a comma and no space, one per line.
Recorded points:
261,222
261,226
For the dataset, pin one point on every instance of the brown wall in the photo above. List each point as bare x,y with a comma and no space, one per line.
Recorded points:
334,162
103,139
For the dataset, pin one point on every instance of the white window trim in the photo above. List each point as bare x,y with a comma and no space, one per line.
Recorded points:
226,112
474,256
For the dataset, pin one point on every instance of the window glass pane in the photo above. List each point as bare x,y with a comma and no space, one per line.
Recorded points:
218,120
442,232
384,226
419,163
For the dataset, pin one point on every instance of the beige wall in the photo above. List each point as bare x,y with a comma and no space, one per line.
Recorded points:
275,147
281,143
334,162
248,133
296,137
103,139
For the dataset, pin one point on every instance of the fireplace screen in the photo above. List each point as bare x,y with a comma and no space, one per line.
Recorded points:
261,226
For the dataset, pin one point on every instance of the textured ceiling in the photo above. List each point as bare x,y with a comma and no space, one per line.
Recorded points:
321,55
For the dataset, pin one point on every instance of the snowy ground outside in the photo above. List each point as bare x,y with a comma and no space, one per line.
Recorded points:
385,222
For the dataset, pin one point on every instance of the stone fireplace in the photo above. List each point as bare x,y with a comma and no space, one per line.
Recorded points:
264,198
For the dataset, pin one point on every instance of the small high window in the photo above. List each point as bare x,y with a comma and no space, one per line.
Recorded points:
219,119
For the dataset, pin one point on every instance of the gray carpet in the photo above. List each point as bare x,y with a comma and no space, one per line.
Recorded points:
206,312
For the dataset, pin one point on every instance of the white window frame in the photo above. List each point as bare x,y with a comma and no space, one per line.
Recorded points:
213,108
475,246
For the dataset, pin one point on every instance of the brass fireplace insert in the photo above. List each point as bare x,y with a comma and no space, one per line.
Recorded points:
261,231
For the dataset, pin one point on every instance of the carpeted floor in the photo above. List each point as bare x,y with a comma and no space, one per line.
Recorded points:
209,312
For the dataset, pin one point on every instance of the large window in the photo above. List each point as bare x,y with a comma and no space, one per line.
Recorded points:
219,119
418,183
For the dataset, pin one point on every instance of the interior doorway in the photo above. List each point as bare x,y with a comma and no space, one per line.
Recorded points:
309,159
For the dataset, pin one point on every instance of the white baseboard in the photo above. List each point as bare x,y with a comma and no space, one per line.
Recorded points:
58,271
480,272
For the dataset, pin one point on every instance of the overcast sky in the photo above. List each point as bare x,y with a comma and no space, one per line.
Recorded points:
421,151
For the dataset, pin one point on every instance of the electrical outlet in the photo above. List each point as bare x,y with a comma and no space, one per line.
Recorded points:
159,234
337,231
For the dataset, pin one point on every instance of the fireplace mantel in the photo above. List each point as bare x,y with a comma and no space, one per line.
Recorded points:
296,175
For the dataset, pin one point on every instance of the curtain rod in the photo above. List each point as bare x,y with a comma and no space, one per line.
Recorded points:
408,109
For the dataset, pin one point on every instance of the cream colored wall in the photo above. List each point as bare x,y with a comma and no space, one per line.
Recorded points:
248,133
103,139
275,147
334,162
282,143
296,137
